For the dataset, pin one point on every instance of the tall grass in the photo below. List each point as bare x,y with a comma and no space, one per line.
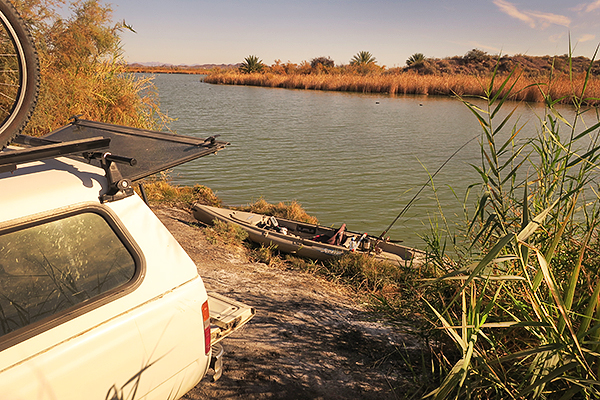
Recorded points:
83,70
524,313
291,210
562,86
160,190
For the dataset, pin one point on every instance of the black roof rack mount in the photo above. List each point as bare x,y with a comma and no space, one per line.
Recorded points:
45,149
151,151
154,151
139,152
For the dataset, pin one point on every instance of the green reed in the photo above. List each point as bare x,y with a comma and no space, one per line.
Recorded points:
524,314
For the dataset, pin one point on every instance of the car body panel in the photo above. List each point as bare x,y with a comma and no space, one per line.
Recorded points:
152,343
146,340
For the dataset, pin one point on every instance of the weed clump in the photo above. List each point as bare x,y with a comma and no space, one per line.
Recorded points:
226,234
159,190
266,255
292,210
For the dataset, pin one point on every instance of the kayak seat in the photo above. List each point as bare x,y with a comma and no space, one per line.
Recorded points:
338,238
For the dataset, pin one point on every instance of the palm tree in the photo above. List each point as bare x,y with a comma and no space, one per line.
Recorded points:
415,59
362,58
251,64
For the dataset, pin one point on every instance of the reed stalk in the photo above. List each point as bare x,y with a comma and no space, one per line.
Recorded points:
525,316
526,88
83,71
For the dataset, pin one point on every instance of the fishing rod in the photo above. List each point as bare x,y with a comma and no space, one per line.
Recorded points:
407,206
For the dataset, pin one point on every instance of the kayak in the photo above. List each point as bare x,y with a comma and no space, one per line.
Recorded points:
307,240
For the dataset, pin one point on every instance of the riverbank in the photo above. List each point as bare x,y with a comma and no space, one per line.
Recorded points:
310,338
524,78
140,69
176,69
503,269
528,89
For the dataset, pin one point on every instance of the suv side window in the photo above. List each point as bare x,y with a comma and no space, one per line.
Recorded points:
54,265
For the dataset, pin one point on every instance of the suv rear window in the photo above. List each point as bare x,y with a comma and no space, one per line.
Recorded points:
55,265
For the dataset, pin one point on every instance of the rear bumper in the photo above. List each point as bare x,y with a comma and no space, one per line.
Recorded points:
216,361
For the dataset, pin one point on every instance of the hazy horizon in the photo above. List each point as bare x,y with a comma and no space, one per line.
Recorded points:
188,32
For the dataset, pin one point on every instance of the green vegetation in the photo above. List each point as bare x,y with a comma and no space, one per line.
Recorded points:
415,59
362,58
82,70
251,64
523,307
461,75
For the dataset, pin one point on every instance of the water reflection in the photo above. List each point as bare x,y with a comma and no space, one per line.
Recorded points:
347,157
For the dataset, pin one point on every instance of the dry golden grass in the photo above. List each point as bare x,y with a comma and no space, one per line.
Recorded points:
225,234
526,89
162,192
82,69
292,210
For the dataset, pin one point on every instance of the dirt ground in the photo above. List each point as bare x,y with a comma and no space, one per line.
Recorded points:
309,339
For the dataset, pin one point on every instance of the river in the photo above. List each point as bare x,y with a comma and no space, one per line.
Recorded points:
346,157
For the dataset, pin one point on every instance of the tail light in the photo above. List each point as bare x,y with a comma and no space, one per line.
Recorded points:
206,318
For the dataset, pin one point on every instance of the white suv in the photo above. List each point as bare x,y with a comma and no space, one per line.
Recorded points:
97,299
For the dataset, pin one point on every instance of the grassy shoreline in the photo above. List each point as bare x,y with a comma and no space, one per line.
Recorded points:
526,89
513,292
166,70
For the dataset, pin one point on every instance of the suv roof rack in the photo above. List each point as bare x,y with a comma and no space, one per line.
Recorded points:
47,149
141,152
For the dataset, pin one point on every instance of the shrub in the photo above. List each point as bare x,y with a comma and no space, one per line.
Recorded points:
82,69
475,55
321,62
278,68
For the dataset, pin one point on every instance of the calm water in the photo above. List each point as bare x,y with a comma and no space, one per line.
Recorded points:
345,157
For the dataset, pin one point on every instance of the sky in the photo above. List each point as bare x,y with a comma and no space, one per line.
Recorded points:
227,31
